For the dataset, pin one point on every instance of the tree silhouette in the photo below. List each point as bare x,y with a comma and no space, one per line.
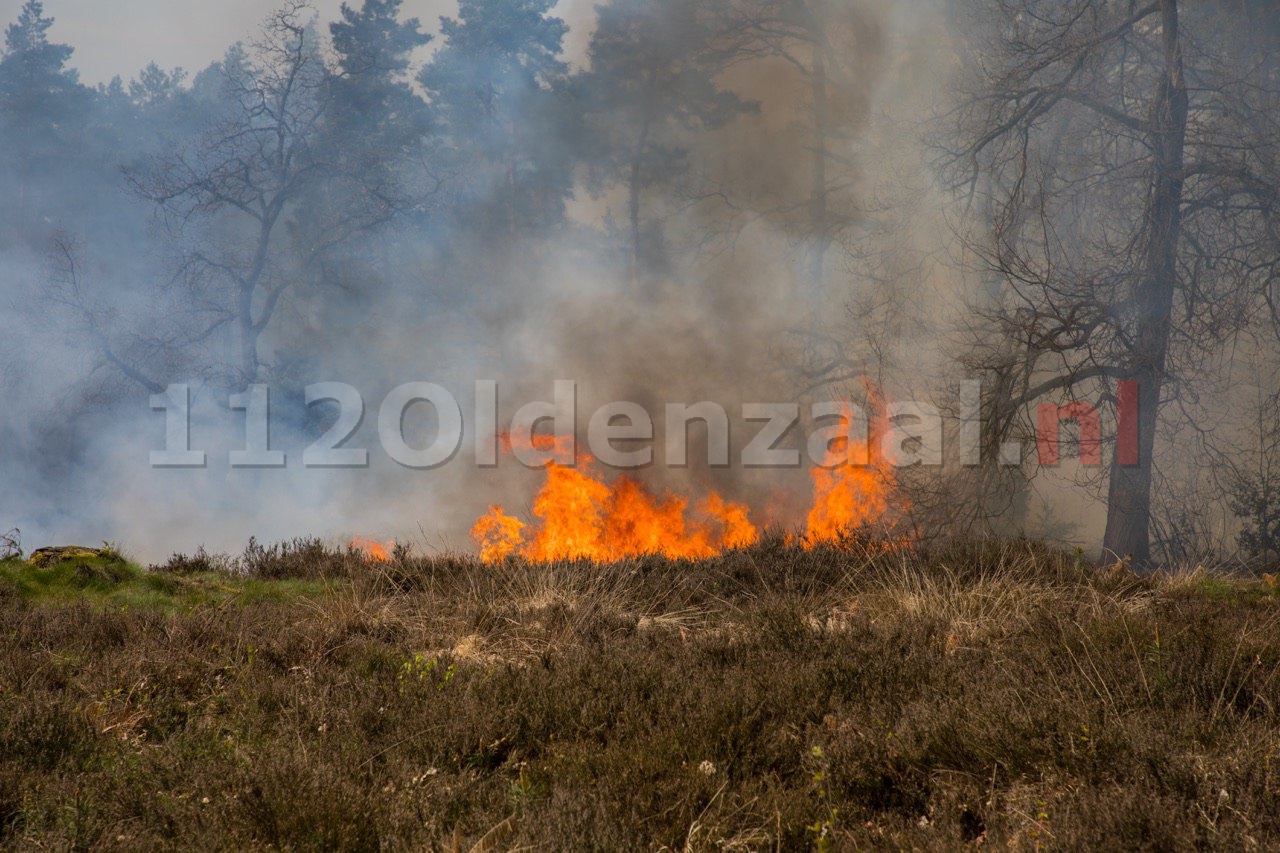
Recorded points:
651,86
42,104
495,88
1125,156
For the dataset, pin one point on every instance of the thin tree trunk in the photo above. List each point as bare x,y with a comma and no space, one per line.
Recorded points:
512,186
1129,499
248,339
633,203
819,226
249,329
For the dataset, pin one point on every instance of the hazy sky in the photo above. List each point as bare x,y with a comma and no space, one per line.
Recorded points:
121,36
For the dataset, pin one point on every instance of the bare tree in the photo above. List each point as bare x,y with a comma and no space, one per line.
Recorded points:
1121,154
123,350
250,205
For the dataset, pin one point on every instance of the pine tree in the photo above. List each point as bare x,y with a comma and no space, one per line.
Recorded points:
41,106
651,84
375,114
154,85
495,90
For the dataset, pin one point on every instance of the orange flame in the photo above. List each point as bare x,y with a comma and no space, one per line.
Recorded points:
559,446
845,496
578,515
852,488
497,533
373,550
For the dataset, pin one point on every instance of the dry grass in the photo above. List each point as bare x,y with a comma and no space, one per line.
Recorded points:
993,693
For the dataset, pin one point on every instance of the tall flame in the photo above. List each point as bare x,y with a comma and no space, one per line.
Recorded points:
845,495
578,515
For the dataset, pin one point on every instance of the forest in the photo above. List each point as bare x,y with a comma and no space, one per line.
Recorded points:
746,200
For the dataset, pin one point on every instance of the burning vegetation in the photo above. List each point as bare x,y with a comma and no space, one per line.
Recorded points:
579,514
373,549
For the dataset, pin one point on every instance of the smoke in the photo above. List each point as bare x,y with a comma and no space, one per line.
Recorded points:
764,276
725,307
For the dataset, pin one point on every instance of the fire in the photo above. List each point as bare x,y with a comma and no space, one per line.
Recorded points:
845,496
373,550
739,532
853,486
579,515
498,534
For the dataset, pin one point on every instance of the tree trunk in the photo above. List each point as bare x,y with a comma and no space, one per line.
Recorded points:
633,205
513,225
1129,497
249,332
820,230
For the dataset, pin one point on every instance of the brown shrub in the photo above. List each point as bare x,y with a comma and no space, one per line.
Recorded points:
769,698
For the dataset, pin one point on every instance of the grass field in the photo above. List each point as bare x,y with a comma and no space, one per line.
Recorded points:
996,694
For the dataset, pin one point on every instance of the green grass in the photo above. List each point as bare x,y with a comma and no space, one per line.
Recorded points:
1206,585
106,582
995,694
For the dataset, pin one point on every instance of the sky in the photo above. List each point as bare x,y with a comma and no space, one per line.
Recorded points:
113,37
